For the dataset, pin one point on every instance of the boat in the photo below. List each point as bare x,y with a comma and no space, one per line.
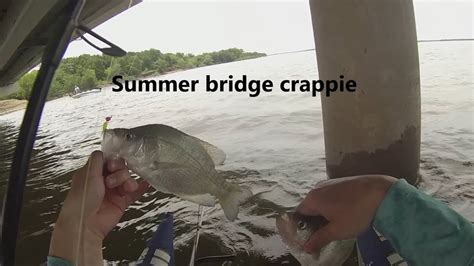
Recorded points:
159,250
85,93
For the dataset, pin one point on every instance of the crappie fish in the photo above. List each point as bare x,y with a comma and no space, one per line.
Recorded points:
177,163
295,229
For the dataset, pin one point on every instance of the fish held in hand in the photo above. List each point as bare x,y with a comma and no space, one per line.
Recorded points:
295,229
177,163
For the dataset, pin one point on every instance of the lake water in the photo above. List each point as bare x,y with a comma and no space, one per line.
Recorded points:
274,144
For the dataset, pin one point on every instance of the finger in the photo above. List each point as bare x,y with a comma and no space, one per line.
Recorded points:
117,178
96,163
322,183
115,165
93,167
123,199
120,191
320,238
127,188
135,195
310,204
130,185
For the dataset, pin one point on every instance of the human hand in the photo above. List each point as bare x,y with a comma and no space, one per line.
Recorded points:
109,191
349,204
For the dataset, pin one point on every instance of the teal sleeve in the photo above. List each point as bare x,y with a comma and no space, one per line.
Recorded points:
54,261
424,230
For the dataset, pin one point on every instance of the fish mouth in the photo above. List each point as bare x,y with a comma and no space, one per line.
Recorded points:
287,231
282,226
108,146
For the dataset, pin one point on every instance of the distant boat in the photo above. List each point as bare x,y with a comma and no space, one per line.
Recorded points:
85,93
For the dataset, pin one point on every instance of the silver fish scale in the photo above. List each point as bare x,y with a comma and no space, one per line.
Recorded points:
174,161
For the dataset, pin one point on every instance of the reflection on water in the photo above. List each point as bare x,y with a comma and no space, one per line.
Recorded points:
274,144
44,192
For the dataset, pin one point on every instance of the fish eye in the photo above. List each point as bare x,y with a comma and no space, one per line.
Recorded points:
301,225
128,136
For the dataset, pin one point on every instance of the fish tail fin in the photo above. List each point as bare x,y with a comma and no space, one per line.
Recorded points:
231,201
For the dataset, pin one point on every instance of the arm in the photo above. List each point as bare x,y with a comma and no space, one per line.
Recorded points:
423,230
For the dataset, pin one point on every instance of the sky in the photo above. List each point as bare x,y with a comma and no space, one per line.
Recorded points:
264,26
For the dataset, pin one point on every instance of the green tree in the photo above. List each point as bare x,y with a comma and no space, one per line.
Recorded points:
88,79
87,71
26,84
114,69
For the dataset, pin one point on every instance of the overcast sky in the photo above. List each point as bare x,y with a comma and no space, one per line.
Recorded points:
264,26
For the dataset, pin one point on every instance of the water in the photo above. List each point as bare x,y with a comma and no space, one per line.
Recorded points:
274,144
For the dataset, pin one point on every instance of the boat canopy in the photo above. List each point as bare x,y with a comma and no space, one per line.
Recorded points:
25,27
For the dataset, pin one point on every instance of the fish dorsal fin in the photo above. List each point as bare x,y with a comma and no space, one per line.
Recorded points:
217,155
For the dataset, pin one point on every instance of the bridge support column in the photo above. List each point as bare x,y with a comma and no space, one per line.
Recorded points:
376,129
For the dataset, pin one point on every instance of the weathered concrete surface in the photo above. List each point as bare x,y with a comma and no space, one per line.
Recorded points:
375,130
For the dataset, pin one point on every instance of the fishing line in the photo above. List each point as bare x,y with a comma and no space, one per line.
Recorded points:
81,217
198,231
131,65
130,2
80,239
110,68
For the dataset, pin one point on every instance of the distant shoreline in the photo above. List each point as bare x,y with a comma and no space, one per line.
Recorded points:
12,105
89,71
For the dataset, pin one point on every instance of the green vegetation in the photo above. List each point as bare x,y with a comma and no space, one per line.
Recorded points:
89,71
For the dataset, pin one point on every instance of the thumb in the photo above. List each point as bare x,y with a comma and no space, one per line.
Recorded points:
95,165
92,171
311,204
320,238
